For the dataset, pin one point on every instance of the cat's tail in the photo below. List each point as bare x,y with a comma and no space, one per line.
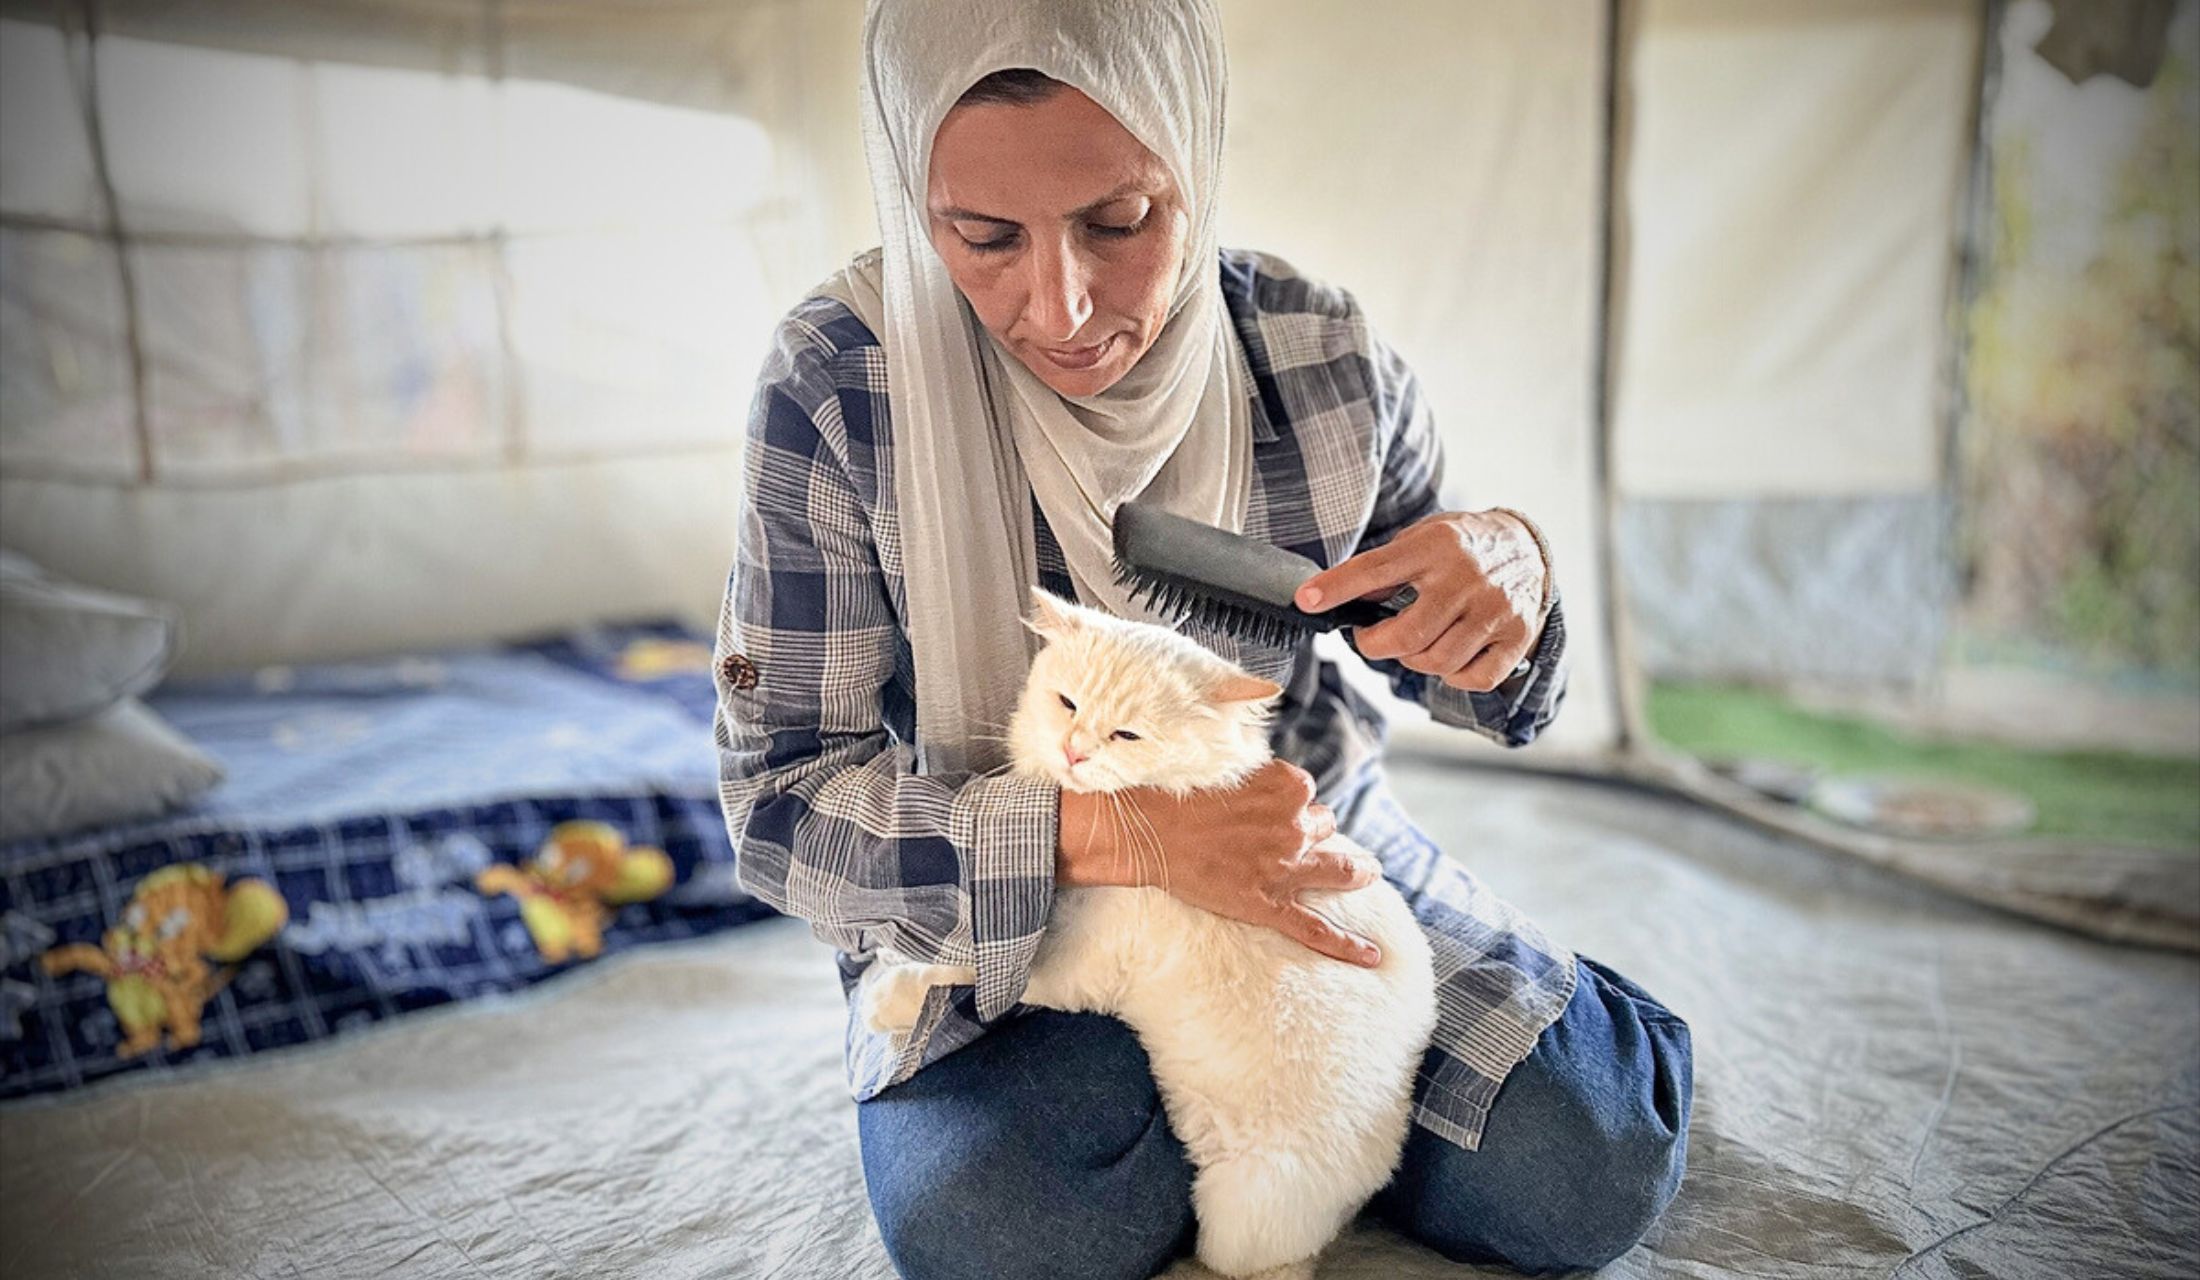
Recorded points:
1269,1213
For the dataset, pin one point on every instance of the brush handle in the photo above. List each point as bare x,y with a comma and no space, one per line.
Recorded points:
1364,613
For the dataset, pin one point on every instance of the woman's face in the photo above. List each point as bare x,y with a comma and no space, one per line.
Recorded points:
1064,232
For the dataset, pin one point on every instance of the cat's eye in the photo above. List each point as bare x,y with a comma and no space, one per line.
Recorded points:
1126,735
1066,702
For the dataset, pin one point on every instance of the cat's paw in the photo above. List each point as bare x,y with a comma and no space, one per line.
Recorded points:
893,995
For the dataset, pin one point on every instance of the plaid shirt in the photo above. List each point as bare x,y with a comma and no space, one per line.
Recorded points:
831,820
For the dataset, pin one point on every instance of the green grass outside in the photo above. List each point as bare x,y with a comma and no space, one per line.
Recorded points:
2152,800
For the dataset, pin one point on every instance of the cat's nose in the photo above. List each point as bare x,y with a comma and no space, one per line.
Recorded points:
1073,755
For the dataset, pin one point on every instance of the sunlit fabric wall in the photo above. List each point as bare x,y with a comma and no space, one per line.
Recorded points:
350,327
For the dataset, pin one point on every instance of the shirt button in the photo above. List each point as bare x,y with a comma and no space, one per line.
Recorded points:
739,672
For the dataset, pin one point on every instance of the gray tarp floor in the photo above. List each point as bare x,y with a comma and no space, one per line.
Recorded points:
1888,1084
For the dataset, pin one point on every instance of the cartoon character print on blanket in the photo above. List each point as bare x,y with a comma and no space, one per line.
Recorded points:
154,960
655,658
569,888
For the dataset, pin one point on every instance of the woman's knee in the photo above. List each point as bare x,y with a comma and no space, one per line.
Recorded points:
968,1177
988,1211
1585,1146
1604,1190
1584,1200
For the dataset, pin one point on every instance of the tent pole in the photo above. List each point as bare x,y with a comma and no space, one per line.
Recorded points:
83,22
1969,269
1627,701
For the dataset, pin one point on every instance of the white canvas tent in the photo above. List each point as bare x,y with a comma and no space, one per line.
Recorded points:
278,272
366,325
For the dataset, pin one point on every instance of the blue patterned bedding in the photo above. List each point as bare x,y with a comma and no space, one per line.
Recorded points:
391,835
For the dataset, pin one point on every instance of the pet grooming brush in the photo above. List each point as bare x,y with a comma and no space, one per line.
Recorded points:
1184,570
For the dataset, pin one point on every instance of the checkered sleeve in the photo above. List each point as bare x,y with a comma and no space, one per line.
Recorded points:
830,819
1412,471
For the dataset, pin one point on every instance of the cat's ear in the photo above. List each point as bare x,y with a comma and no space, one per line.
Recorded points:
1240,687
1051,616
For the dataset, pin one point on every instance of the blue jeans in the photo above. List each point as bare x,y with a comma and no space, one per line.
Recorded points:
1042,1151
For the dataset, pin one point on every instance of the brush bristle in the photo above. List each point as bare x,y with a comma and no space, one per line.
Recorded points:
1182,603
1186,571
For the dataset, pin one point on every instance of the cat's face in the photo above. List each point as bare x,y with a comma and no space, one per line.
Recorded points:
1113,704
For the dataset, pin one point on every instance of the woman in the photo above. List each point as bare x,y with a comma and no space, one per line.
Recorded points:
1048,330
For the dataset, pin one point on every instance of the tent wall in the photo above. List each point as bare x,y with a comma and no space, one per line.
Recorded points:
1442,161
361,326
1794,176
348,318
325,419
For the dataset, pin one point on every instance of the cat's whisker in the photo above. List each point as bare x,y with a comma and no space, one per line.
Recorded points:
1160,853
1145,841
1127,836
1117,830
1120,829
1123,841
1153,837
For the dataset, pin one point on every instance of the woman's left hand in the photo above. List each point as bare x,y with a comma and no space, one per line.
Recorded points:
1480,579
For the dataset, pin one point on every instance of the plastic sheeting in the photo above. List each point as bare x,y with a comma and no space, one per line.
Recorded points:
1850,591
1887,1083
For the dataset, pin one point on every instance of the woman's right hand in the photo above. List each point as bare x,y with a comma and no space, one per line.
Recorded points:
1245,853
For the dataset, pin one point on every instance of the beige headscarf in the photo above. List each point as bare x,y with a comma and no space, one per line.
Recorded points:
972,427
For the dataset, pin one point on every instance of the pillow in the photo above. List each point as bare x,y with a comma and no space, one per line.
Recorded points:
68,651
119,765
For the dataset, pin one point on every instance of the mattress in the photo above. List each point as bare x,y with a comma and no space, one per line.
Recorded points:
1889,1083
379,846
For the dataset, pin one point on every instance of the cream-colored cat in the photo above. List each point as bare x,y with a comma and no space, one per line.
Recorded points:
1287,1075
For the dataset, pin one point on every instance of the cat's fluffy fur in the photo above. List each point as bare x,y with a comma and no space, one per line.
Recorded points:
1287,1075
